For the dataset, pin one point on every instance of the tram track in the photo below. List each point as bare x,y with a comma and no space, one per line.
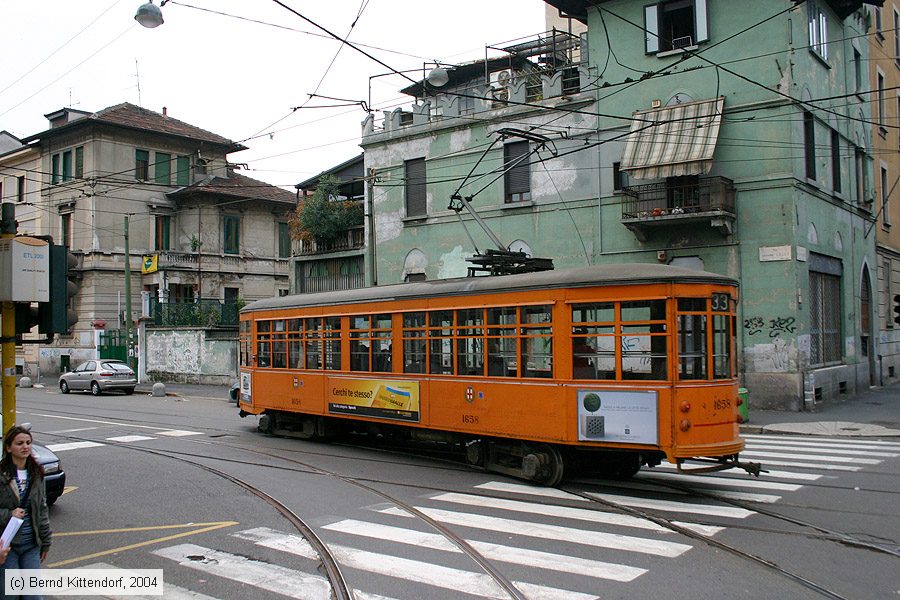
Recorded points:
367,484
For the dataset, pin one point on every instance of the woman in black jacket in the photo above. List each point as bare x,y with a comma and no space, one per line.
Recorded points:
22,495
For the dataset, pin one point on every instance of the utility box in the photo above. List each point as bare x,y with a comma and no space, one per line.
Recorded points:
24,270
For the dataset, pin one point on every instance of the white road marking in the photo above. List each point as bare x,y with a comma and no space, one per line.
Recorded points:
161,430
841,451
821,457
816,439
800,444
73,446
723,481
170,591
670,506
179,433
273,578
130,438
563,512
767,474
477,584
745,496
804,465
72,430
554,532
361,595
531,490
495,552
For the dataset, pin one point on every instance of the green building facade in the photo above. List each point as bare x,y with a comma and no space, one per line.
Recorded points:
727,136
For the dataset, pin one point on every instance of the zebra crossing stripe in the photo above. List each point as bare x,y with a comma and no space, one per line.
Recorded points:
519,488
477,584
723,481
563,512
819,457
801,444
361,595
170,591
273,578
553,532
495,552
805,465
712,510
768,474
125,439
73,446
837,451
816,439
178,432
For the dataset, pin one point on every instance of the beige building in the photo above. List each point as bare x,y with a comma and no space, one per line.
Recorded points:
884,82
195,228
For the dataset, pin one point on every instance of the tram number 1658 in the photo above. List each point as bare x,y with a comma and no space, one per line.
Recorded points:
470,419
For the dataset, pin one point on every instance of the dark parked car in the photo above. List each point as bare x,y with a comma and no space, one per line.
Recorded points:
98,376
54,476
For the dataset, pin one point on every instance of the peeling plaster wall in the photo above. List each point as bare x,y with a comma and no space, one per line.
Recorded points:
189,356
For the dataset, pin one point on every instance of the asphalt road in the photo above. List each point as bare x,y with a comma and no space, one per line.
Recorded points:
176,484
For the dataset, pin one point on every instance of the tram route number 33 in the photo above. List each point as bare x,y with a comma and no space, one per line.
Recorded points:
470,419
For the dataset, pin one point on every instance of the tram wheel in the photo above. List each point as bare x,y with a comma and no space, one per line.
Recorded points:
553,466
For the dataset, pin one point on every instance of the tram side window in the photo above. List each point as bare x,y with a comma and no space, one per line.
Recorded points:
295,343
440,342
414,342
312,342
332,343
501,341
246,347
692,352
279,345
537,341
263,343
594,341
370,343
722,345
644,340
470,341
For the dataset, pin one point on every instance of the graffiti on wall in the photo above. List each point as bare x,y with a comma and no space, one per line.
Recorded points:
775,327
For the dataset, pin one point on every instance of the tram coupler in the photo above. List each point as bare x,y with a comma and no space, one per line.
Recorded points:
751,468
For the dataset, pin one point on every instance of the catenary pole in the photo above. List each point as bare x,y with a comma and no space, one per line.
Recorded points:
8,332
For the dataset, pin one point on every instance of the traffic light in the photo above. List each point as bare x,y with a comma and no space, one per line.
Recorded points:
57,315
897,309
26,317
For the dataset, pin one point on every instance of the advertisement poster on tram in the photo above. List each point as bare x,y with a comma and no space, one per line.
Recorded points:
617,416
398,400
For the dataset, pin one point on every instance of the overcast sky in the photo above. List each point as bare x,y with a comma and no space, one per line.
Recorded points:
241,75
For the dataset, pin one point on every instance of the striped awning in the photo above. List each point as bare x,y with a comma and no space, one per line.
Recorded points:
674,140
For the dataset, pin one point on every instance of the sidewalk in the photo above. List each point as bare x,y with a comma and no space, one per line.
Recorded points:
212,392
871,413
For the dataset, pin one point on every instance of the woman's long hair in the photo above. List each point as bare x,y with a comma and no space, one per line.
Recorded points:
8,467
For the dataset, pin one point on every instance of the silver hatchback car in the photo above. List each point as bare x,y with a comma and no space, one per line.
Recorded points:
98,376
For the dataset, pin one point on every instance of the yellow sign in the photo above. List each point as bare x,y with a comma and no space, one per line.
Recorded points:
374,398
150,264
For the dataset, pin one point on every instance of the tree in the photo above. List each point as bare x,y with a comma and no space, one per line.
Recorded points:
324,216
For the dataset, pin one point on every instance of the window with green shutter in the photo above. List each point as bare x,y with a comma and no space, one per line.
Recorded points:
183,170
162,169
67,165
141,165
231,234
54,168
79,162
284,241
163,223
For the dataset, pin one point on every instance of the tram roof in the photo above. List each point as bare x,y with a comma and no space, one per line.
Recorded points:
618,274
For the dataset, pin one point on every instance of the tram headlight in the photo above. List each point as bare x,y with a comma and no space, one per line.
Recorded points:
685,424
685,406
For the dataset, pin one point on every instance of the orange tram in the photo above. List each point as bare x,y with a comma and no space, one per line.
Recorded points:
598,369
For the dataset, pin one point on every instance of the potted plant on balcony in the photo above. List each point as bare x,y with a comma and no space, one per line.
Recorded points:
324,216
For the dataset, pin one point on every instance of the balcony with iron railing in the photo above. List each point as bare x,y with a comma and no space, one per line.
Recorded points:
352,239
679,201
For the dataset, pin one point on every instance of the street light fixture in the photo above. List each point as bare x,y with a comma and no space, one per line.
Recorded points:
149,14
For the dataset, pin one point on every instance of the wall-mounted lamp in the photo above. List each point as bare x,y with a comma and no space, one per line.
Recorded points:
149,14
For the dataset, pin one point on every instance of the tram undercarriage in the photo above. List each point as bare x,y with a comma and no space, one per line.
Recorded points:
542,463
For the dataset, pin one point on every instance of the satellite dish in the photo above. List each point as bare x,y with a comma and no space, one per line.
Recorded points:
438,77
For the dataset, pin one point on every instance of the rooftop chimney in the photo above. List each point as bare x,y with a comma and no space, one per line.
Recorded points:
165,112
